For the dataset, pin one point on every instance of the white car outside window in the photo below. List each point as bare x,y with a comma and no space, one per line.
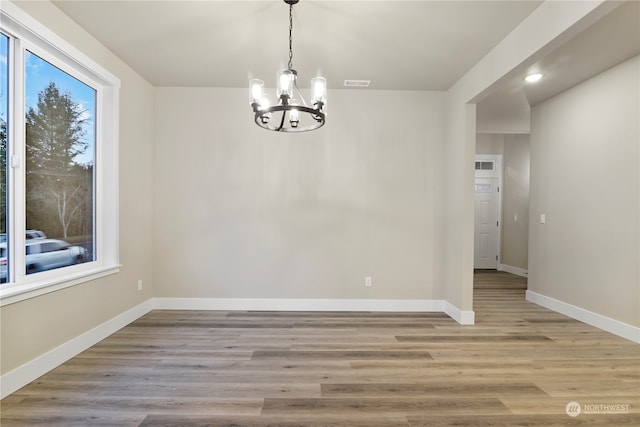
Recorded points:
47,254
44,254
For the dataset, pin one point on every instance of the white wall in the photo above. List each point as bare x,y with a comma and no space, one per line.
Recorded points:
246,213
515,202
585,148
507,113
490,143
35,326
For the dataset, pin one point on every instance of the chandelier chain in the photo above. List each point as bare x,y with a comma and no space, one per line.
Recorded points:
290,36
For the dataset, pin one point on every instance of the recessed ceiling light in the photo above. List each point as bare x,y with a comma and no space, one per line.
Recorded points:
532,78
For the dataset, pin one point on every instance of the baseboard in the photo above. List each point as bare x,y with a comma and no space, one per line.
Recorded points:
460,316
605,323
513,270
270,304
32,370
274,304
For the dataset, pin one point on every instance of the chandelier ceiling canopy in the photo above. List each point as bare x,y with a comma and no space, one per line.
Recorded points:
290,112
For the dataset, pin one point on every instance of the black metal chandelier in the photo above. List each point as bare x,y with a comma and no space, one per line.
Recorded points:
289,114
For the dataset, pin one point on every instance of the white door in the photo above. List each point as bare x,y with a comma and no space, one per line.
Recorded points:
486,223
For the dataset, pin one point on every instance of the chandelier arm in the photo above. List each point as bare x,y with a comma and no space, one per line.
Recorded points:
316,114
279,128
300,95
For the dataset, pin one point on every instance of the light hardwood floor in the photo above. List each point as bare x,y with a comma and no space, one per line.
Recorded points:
519,365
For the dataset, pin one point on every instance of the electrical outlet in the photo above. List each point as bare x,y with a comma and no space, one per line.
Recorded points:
140,284
367,281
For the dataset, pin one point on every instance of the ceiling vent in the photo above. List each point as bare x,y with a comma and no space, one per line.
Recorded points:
357,83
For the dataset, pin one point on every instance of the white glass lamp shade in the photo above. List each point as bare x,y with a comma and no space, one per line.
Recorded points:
294,117
318,90
256,88
264,103
285,79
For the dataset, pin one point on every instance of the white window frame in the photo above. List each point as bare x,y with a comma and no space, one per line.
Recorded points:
27,33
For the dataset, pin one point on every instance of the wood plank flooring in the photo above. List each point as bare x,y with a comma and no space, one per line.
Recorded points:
519,365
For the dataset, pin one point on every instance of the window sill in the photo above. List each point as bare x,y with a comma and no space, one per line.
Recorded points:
10,294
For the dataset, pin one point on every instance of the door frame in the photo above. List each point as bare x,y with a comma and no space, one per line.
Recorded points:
495,173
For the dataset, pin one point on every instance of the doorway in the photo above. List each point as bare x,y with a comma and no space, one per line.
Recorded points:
488,208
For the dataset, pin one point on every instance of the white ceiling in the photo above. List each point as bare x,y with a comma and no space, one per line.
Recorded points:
398,45
421,45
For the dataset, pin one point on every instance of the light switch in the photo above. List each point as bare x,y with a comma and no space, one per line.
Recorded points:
543,219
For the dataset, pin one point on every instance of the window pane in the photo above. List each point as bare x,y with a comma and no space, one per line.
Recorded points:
483,188
4,113
487,166
60,159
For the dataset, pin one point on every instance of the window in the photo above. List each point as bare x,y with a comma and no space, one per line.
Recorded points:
485,166
58,162
60,147
483,188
